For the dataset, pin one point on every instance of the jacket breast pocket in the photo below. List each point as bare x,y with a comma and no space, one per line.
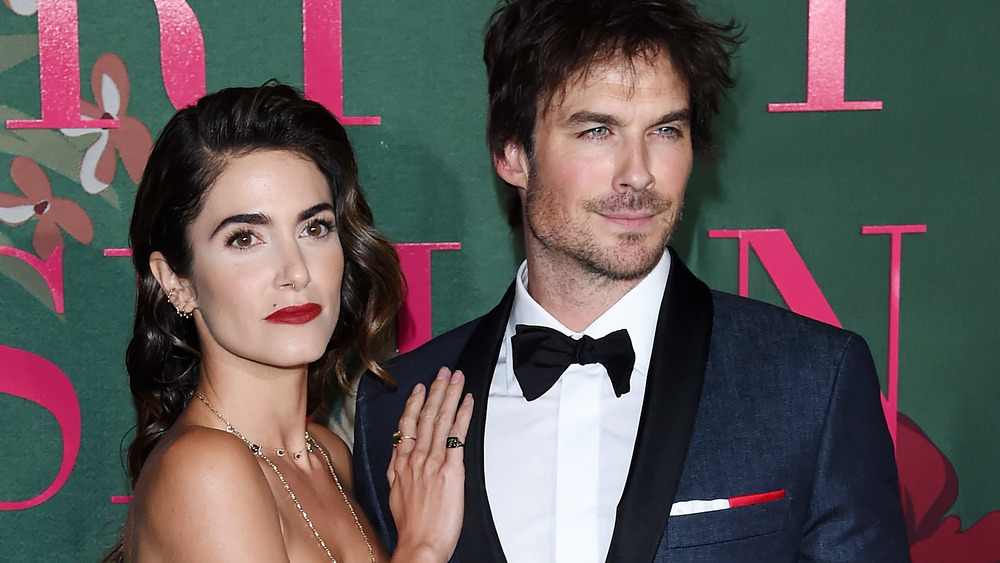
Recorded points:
728,525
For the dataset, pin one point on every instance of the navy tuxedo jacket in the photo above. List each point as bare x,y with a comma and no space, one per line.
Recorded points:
742,398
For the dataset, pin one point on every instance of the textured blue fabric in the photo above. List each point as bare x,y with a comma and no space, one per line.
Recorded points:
787,403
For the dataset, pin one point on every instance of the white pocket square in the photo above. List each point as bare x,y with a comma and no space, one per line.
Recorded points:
697,506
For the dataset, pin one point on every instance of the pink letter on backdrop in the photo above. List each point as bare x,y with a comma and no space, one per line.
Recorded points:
50,269
788,271
117,252
785,267
896,233
323,58
182,52
59,71
825,64
38,380
413,325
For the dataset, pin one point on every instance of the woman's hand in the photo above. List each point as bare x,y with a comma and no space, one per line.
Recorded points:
426,478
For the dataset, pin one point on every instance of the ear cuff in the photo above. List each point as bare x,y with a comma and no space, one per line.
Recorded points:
180,313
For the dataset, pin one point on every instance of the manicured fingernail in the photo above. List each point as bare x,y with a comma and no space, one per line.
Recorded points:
417,388
468,399
442,374
454,377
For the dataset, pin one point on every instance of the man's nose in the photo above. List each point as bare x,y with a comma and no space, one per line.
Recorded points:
633,167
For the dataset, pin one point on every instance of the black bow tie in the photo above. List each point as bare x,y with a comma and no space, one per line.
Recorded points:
541,355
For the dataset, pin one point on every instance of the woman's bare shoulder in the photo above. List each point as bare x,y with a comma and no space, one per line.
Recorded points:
207,459
202,495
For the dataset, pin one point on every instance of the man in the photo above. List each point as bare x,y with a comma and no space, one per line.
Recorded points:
716,428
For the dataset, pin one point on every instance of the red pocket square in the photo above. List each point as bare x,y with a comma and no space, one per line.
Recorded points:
697,506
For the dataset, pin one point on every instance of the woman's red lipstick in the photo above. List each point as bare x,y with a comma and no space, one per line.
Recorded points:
295,314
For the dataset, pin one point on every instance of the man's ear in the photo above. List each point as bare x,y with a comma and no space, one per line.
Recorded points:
179,290
513,165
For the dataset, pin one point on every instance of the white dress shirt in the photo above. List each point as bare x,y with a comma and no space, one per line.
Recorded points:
556,466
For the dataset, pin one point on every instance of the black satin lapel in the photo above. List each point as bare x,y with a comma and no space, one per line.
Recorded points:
673,390
479,541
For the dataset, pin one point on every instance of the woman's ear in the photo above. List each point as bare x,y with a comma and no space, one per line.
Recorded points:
177,289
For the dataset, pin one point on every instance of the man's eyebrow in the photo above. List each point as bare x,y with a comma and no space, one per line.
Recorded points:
585,117
582,117
679,115
314,210
249,218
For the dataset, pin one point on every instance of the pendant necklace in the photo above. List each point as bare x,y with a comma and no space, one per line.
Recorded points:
311,445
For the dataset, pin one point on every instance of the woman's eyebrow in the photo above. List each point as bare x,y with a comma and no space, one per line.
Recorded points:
249,218
318,208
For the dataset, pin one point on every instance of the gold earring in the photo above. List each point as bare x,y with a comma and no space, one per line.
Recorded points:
180,313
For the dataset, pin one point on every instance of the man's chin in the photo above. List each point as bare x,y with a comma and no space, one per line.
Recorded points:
626,264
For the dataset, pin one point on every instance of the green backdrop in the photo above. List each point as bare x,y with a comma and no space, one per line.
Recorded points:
926,158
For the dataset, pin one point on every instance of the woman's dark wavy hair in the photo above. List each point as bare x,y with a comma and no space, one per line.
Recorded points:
533,48
194,148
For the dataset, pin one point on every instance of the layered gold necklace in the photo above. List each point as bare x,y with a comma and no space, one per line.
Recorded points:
311,444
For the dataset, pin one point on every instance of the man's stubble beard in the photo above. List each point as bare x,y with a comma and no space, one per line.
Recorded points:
628,259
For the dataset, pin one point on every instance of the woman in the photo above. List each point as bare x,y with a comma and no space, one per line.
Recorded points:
260,274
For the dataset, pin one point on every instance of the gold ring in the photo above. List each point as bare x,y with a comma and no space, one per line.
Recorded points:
398,437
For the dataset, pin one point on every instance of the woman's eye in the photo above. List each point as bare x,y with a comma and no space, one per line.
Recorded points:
318,228
242,240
